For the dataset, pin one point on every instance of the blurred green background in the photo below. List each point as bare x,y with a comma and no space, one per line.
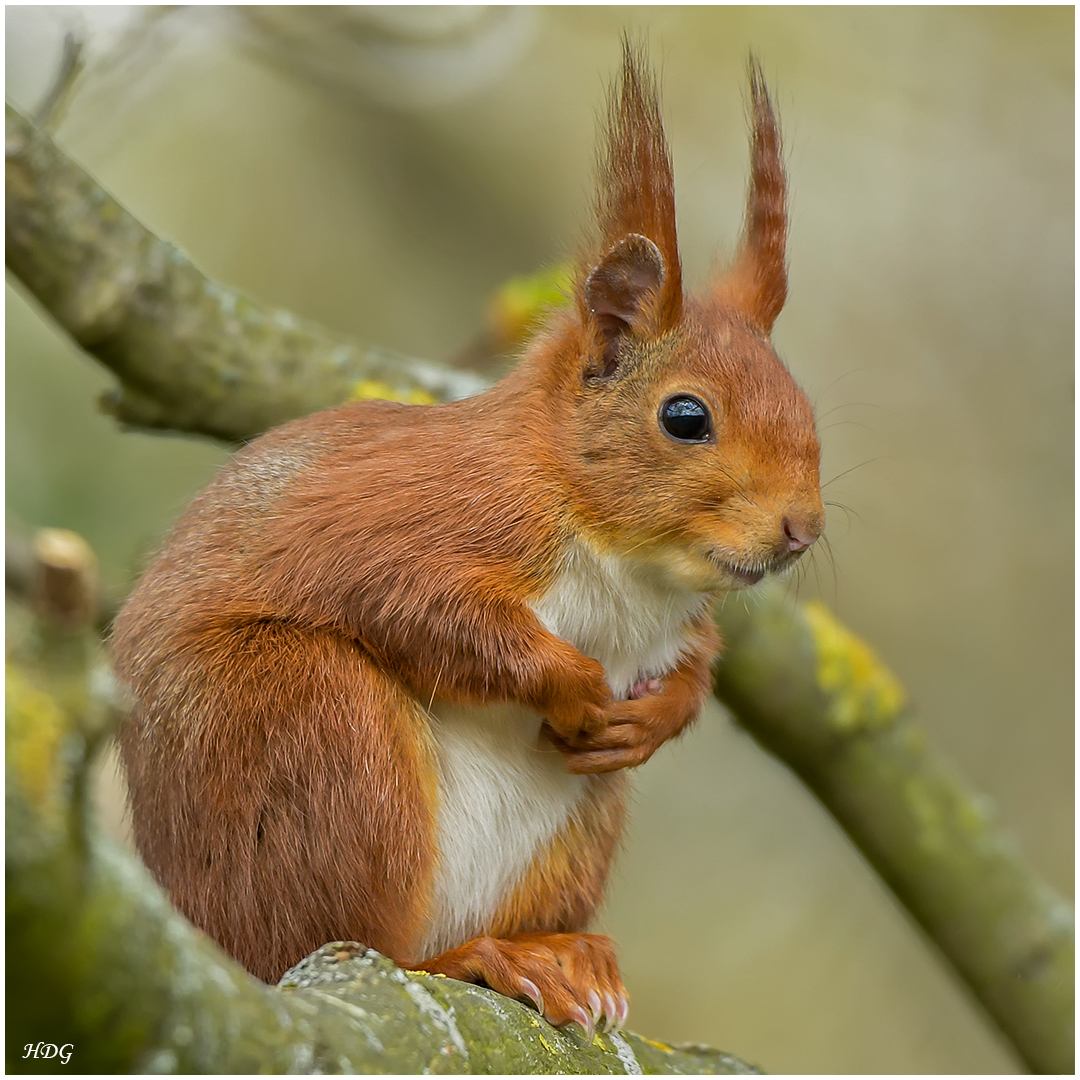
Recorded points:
385,170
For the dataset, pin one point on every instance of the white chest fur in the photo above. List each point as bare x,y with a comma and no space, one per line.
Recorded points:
629,615
504,792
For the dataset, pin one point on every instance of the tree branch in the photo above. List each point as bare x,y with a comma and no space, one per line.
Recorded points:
191,355
98,960
816,697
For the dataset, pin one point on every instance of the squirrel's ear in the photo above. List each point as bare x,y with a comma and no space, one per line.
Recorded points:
757,283
635,284
620,292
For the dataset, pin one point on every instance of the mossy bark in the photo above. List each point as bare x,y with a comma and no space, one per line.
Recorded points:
817,697
98,960
191,355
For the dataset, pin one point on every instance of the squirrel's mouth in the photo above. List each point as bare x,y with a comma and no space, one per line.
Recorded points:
743,575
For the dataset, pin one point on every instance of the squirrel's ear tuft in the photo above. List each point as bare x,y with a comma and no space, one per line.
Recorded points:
757,283
620,296
635,200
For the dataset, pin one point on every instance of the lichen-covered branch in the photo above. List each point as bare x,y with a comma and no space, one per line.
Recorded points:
816,696
99,962
191,355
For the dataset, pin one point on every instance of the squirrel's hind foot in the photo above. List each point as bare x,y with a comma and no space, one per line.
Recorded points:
570,978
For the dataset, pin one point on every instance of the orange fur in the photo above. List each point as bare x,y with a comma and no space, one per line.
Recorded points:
757,284
350,569
249,823
636,188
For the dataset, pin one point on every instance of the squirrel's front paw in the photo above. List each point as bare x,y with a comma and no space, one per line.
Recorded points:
633,732
583,704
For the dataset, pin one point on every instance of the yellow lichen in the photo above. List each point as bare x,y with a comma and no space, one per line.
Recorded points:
659,1045
522,302
372,389
35,727
861,690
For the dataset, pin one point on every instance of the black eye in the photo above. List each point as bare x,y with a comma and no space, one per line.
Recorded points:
686,418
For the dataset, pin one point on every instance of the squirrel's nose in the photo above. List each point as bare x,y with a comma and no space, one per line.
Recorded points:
800,532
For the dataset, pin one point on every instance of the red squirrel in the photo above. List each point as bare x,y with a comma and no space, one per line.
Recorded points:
392,665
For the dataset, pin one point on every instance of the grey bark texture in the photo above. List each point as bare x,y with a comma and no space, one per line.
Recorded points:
189,354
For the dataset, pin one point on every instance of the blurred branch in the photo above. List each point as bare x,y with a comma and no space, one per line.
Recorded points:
191,355
814,695
67,587
195,357
21,572
99,962
18,564
61,650
51,110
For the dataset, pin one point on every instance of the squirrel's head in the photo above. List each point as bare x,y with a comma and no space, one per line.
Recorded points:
687,440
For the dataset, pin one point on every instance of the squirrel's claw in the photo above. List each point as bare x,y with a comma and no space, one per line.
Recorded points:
532,992
566,976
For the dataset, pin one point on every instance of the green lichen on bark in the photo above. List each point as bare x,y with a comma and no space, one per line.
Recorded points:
97,958
190,354
815,695
457,1027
